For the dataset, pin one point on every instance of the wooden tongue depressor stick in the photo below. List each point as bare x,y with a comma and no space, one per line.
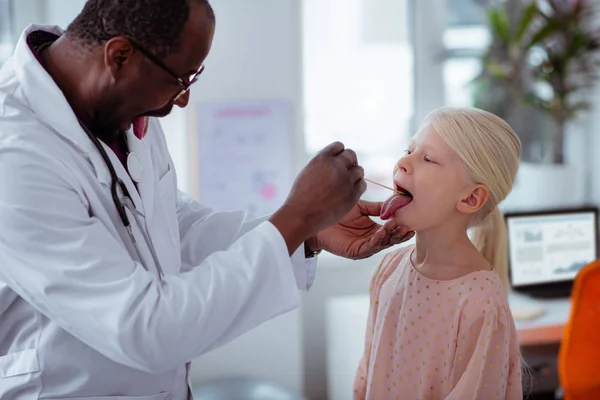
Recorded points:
383,186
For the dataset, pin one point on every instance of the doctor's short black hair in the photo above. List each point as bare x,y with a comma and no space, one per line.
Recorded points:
155,24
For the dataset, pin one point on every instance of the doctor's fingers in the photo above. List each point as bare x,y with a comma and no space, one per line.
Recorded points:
395,228
356,176
348,158
397,239
395,234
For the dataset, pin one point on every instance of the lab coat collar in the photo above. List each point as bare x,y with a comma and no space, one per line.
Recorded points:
44,96
49,103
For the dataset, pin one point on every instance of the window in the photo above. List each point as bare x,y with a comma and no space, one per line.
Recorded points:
358,81
465,38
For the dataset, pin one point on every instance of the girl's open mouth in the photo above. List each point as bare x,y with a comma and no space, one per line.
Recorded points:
395,202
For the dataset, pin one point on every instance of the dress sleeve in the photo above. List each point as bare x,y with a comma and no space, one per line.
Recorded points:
486,363
386,266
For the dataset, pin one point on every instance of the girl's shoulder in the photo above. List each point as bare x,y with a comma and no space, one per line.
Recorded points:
481,293
389,264
393,259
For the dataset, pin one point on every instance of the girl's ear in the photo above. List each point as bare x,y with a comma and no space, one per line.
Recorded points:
473,200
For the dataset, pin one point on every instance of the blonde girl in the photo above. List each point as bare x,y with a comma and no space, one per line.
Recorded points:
439,325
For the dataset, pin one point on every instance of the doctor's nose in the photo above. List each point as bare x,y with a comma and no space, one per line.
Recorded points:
183,100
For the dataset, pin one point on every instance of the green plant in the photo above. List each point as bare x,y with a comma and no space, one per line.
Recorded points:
565,64
505,79
505,60
542,57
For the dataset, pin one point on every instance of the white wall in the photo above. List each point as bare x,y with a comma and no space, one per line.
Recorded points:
62,12
593,134
594,147
26,12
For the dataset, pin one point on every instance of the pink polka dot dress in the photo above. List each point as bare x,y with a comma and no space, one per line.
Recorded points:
428,339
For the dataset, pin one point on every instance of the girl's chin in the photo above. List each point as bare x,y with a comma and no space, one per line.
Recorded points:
400,219
400,214
404,217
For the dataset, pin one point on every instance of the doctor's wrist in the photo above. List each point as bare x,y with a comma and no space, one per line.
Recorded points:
311,247
292,227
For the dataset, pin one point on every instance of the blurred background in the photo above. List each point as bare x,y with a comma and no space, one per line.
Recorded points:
287,77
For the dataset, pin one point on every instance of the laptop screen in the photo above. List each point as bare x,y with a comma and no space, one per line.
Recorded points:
550,248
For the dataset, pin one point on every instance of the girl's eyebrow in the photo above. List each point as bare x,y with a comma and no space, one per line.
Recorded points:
425,148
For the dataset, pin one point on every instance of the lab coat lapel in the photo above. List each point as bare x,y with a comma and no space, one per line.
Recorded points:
44,96
146,186
104,177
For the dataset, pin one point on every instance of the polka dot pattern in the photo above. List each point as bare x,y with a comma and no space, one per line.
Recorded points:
429,339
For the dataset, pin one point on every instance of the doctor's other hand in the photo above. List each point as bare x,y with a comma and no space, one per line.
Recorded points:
322,194
357,236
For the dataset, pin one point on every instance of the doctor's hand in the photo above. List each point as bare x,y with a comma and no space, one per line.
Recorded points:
322,194
357,236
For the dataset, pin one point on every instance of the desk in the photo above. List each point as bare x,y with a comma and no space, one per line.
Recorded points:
543,330
346,325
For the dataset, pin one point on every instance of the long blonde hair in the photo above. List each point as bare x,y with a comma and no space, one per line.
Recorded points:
490,150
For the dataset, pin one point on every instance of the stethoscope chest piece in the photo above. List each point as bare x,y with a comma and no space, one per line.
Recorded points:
134,167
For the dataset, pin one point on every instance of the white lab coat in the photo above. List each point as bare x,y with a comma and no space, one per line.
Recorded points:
80,317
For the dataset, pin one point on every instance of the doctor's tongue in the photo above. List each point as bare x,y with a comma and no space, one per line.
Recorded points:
140,127
140,124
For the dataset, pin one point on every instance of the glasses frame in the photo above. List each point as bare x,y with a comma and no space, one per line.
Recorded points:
185,85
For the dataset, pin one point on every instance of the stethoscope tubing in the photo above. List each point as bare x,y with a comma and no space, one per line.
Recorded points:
122,205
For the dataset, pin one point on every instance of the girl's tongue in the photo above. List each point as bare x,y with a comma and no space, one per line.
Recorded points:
393,204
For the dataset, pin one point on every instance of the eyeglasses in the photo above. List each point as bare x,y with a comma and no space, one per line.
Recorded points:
183,83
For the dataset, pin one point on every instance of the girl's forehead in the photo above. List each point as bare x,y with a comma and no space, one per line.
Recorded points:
429,139
426,132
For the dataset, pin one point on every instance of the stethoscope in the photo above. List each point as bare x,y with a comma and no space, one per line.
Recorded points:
134,168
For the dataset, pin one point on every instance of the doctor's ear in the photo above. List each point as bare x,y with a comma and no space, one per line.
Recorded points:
118,54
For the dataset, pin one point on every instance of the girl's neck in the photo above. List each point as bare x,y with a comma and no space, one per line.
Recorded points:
447,247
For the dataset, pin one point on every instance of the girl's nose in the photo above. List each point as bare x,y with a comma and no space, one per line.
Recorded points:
403,166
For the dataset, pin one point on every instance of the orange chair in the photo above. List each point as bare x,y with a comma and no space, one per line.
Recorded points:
579,354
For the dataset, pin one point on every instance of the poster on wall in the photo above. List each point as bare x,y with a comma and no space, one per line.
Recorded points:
244,155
